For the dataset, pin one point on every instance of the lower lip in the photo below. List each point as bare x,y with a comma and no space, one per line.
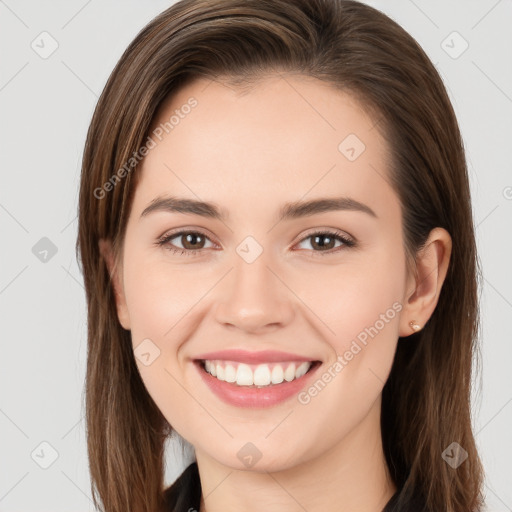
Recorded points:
266,396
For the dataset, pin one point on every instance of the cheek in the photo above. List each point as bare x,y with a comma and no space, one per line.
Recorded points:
165,303
359,308
350,298
159,296
160,300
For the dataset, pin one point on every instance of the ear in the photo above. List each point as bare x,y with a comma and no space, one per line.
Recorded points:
116,272
423,289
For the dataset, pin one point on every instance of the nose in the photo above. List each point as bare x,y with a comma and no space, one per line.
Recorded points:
254,298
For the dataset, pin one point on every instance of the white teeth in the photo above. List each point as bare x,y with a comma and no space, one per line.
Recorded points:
210,368
262,375
243,374
230,373
289,373
301,370
277,374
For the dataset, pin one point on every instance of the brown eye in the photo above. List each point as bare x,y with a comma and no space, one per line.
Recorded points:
191,242
325,242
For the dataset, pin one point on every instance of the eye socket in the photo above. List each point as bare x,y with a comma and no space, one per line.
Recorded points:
193,235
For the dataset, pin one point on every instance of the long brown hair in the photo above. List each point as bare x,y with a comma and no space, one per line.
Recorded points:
358,49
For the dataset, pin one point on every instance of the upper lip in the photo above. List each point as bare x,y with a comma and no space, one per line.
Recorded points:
244,356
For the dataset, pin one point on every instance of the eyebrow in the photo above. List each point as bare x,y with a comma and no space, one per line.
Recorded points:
293,210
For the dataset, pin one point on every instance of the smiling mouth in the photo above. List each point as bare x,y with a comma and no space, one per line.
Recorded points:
256,375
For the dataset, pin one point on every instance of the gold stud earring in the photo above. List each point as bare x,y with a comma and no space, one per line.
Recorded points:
414,326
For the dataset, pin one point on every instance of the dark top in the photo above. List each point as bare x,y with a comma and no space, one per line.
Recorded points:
184,495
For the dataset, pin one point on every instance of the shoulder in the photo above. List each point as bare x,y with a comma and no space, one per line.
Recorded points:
400,503
184,495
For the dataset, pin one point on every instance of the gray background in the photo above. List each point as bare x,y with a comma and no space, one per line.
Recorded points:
46,105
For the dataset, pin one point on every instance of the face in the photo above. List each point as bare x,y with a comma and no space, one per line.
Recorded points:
324,283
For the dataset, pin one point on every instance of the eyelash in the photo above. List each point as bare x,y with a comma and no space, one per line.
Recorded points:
347,242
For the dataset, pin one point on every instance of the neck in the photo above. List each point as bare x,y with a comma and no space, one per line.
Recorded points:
352,475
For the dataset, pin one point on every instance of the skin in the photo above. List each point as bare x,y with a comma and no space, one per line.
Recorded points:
250,152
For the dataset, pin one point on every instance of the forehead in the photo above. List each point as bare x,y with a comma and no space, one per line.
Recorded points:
285,137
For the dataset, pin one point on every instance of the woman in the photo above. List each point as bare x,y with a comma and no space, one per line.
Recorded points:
234,142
